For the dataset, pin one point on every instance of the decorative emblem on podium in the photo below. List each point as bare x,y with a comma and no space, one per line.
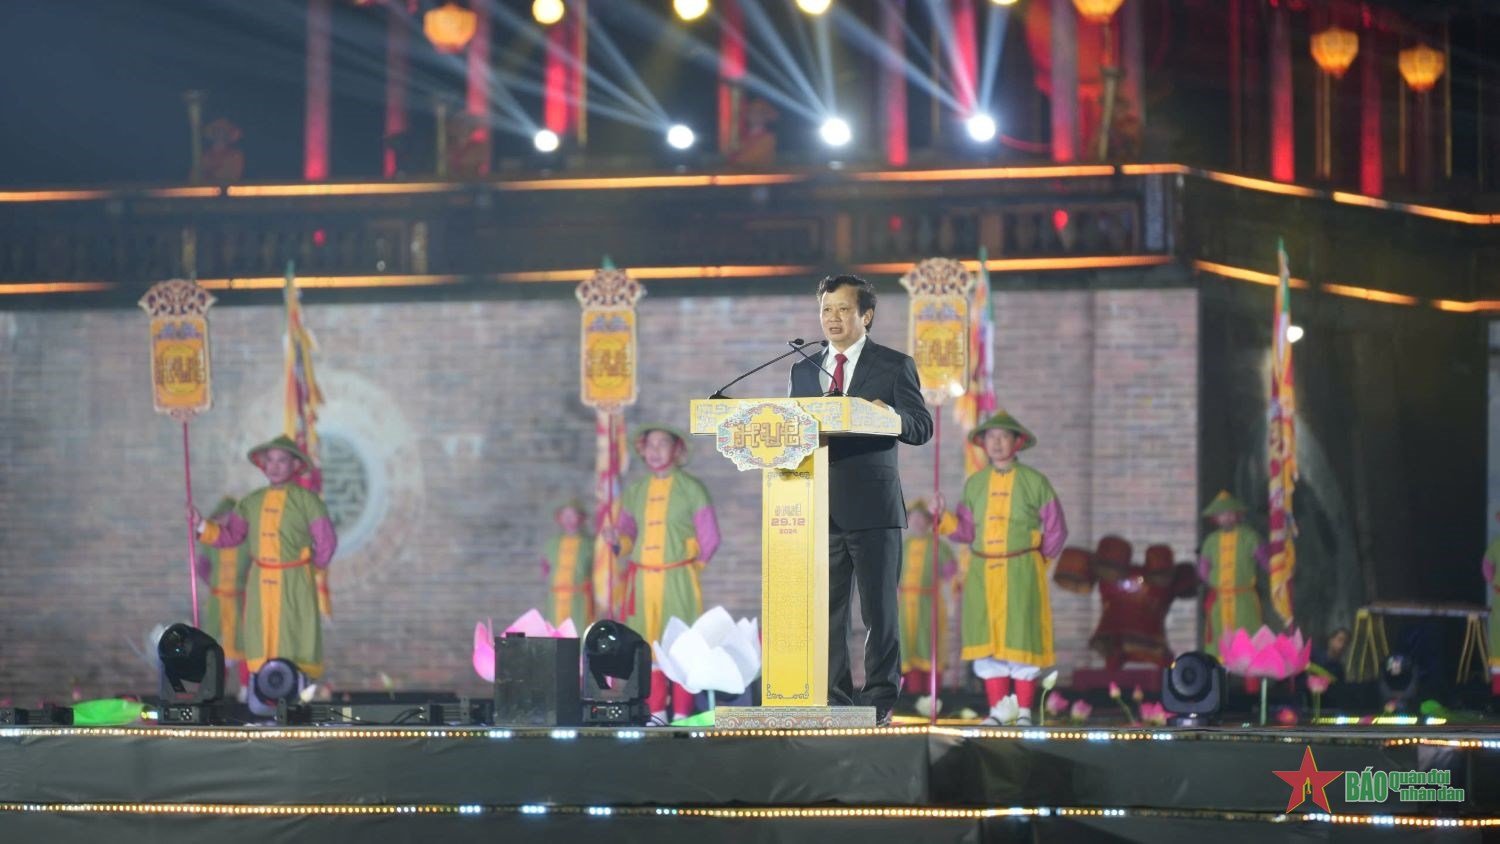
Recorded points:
768,435
180,375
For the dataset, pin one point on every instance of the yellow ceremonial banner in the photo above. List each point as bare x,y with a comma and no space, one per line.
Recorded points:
607,357
768,435
939,326
940,343
794,600
181,378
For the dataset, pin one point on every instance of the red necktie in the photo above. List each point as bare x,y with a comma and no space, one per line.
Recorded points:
838,375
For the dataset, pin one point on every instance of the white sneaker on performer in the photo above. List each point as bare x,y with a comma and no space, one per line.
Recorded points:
1023,719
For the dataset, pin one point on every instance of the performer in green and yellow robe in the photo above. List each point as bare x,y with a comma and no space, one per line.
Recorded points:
287,534
667,533
1013,523
568,563
1227,565
222,604
1492,582
917,598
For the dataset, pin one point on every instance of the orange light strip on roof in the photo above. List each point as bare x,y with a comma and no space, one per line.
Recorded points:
343,189
1059,171
1264,185
1369,294
329,282
728,271
1432,211
1021,264
197,192
629,182
1480,306
1241,274
33,287
52,195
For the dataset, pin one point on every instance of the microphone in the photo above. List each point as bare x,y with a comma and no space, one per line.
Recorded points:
796,345
832,391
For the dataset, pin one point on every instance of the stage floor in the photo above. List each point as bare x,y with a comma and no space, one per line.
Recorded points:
899,784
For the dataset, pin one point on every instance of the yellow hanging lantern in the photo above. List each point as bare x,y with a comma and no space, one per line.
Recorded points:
1421,67
1334,50
450,27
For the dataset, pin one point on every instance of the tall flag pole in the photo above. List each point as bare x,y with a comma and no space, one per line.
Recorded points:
300,404
181,378
608,383
939,314
1281,450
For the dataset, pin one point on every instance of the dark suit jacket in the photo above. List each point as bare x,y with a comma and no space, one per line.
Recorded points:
864,486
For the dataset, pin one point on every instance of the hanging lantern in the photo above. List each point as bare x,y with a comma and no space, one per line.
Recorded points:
1097,11
1334,50
450,27
1421,67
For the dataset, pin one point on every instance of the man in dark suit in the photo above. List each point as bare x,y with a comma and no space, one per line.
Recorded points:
866,509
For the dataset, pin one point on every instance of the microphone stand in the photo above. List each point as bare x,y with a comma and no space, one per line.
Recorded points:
796,345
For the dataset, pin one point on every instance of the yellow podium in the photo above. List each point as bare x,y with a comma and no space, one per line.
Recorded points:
787,439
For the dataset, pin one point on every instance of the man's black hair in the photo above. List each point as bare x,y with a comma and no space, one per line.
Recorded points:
864,293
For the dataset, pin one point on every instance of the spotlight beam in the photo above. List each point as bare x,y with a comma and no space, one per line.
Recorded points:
756,17
532,86
799,24
870,43
528,30
612,52
989,64
825,59
695,50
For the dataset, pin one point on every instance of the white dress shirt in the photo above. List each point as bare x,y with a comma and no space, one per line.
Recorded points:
851,357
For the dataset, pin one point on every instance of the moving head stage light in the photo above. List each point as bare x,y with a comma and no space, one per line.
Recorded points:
1192,689
616,676
190,657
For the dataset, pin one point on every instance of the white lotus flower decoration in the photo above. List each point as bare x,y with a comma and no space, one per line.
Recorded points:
716,653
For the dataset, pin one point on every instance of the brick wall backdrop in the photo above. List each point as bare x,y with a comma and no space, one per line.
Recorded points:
466,418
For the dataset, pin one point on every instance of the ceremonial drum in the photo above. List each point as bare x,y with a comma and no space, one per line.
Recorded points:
1184,581
1074,572
1112,559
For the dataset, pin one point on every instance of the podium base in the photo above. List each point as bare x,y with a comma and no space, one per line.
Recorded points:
793,717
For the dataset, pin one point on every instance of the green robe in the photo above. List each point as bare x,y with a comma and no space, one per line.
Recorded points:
1229,567
916,602
222,601
663,556
281,597
571,579
1007,606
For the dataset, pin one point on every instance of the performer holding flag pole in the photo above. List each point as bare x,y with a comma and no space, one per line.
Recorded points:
181,378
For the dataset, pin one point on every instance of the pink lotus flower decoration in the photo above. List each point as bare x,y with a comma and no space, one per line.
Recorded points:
1114,690
1266,655
1080,711
1317,683
531,624
1154,714
1057,705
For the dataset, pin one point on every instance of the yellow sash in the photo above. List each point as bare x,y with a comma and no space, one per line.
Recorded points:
1228,562
653,554
562,580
